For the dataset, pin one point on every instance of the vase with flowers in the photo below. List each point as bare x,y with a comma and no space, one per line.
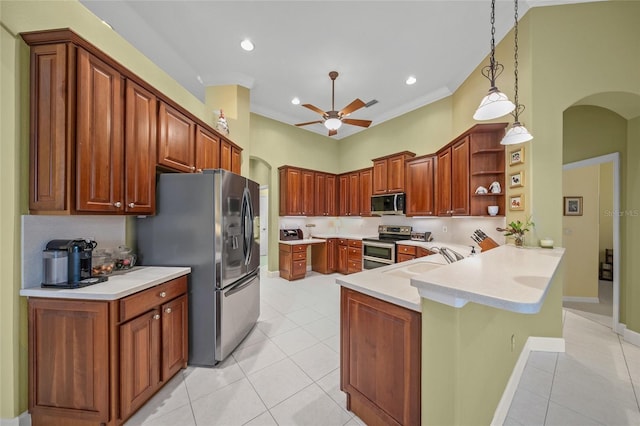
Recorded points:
517,229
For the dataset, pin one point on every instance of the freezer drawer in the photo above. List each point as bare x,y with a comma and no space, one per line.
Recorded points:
238,309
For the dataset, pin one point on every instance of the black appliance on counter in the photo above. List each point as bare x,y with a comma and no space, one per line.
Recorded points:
290,234
67,264
381,251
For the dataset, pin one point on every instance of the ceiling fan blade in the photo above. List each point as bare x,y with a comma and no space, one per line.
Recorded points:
309,122
354,122
315,108
353,106
333,132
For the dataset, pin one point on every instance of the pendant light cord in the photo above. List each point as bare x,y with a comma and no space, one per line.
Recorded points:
494,69
519,108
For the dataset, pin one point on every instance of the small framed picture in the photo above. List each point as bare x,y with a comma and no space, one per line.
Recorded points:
516,202
516,180
516,156
573,206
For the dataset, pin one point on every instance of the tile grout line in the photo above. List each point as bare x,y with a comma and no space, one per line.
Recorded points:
184,380
626,364
553,379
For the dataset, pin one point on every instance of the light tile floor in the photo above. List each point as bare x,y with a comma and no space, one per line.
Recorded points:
286,372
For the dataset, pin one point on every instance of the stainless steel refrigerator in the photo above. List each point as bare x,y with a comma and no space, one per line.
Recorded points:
208,221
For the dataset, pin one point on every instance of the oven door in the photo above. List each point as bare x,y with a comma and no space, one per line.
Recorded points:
376,254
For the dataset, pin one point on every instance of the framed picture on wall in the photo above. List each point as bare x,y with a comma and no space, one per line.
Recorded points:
516,156
572,206
516,202
516,180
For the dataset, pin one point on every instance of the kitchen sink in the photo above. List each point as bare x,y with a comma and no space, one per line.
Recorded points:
411,271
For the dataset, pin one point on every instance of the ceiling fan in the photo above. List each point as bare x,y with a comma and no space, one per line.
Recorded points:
333,119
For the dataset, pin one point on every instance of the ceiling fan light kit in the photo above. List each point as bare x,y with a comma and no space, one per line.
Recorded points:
333,119
495,104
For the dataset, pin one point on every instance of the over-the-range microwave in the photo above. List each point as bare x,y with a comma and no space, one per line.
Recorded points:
388,204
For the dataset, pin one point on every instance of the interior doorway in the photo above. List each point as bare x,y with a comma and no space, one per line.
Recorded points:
605,307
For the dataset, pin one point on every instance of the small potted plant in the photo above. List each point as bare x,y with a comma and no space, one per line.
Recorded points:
517,229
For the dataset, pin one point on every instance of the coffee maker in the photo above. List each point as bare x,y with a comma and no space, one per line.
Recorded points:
67,264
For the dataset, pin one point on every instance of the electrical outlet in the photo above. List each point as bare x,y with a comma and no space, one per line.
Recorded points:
444,229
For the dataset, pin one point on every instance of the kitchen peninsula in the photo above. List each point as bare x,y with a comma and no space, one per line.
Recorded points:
445,354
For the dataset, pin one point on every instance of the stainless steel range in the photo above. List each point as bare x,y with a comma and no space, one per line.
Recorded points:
381,251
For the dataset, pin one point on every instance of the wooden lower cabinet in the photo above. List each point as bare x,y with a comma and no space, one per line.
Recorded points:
380,359
408,252
96,362
354,256
323,256
293,261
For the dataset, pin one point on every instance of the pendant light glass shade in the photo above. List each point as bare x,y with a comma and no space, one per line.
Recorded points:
332,123
516,134
494,105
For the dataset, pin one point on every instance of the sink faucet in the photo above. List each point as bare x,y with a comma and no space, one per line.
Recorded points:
449,255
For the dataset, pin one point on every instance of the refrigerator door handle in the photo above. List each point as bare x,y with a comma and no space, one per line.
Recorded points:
247,225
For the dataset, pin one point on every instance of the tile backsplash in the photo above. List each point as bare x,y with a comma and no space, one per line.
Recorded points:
37,230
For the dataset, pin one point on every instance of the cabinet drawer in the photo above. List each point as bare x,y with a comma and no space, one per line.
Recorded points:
355,243
355,253
136,304
300,256
354,266
299,268
405,257
422,252
300,248
343,242
402,249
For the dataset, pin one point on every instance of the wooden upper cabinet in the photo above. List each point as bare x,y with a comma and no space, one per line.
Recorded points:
343,195
354,194
140,149
51,132
332,195
176,134
307,196
230,156
388,173
326,200
452,179
460,178
236,160
99,141
420,186
290,191
487,165
366,189
207,149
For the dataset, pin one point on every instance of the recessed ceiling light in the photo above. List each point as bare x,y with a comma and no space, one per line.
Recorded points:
247,45
295,101
410,80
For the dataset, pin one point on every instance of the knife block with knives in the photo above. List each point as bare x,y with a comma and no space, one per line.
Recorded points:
483,240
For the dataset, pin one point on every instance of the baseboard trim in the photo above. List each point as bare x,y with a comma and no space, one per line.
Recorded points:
631,336
580,299
540,344
23,419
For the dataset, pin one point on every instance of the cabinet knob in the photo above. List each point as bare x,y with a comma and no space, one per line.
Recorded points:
132,205
163,294
193,168
117,204
199,170
156,317
167,311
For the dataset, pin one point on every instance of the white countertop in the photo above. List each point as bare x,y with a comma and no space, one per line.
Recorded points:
509,278
116,287
303,241
347,236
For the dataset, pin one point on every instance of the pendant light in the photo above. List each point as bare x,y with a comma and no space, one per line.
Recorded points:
495,104
517,133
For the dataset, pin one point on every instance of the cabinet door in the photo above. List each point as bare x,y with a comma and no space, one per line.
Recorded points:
207,150
380,359
174,336
395,174
290,191
366,184
332,247
139,361
49,149
460,178
332,196
343,259
307,195
225,155
443,183
379,177
99,142
69,359
420,184
354,195
175,139
236,160
320,198
343,195
140,150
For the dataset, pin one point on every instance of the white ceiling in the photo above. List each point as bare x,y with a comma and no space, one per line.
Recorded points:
374,45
